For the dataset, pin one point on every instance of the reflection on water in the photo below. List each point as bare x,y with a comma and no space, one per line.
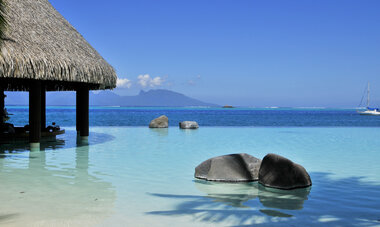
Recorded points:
234,195
160,131
237,195
335,202
63,141
283,199
52,187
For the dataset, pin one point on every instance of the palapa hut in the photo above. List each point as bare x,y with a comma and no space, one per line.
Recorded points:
41,52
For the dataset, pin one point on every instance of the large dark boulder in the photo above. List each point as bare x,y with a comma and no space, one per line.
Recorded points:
188,125
160,122
229,168
279,172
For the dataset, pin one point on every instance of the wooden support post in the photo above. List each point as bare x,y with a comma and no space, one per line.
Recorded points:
2,105
84,130
43,107
35,113
83,111
2,98
77,110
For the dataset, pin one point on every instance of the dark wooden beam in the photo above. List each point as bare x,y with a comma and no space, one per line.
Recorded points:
43,107
17,84
35,112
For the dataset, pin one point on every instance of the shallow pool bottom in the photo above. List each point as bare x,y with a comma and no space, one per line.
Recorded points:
136,176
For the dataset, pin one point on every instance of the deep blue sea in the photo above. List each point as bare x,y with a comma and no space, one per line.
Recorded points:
130,175
267,117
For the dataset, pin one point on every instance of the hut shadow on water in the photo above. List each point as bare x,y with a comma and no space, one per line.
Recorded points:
251,203
67,140
225,200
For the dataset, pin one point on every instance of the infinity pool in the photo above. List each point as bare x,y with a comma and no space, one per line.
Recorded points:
136,176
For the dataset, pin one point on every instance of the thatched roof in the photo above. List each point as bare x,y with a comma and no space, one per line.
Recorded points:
39,44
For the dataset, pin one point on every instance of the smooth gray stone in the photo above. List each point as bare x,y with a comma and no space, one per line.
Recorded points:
279,172
188,125
160,122
229,168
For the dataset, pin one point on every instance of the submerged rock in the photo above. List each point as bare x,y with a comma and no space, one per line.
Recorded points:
188,125
279,172
229,168
160,122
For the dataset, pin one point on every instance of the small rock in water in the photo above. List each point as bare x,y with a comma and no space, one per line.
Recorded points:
229,168
188,125
279,172
160,122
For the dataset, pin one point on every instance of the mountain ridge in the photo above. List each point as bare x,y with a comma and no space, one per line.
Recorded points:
152,98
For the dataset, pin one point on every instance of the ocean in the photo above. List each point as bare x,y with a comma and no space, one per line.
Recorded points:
237,117
130,175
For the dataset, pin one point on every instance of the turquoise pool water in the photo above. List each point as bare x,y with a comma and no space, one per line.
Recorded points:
136,176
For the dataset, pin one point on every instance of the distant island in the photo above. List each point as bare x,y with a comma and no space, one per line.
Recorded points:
156,97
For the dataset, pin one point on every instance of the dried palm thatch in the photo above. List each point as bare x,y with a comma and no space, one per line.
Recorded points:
3,23
39,44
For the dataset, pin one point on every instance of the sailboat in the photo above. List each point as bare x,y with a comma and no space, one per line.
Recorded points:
369,110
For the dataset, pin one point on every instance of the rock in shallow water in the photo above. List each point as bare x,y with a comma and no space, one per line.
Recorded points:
229,168
279,172
160,122
188,125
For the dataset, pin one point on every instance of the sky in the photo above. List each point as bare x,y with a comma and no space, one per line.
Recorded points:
299,53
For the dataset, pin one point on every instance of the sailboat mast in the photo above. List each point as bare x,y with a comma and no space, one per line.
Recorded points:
368,95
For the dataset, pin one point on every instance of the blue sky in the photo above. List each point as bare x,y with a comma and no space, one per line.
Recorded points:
251,53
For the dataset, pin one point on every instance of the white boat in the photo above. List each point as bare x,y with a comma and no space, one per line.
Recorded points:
369,110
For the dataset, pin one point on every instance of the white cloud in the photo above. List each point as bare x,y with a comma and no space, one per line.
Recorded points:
147,81
157,81
123,83
194,81
191,82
